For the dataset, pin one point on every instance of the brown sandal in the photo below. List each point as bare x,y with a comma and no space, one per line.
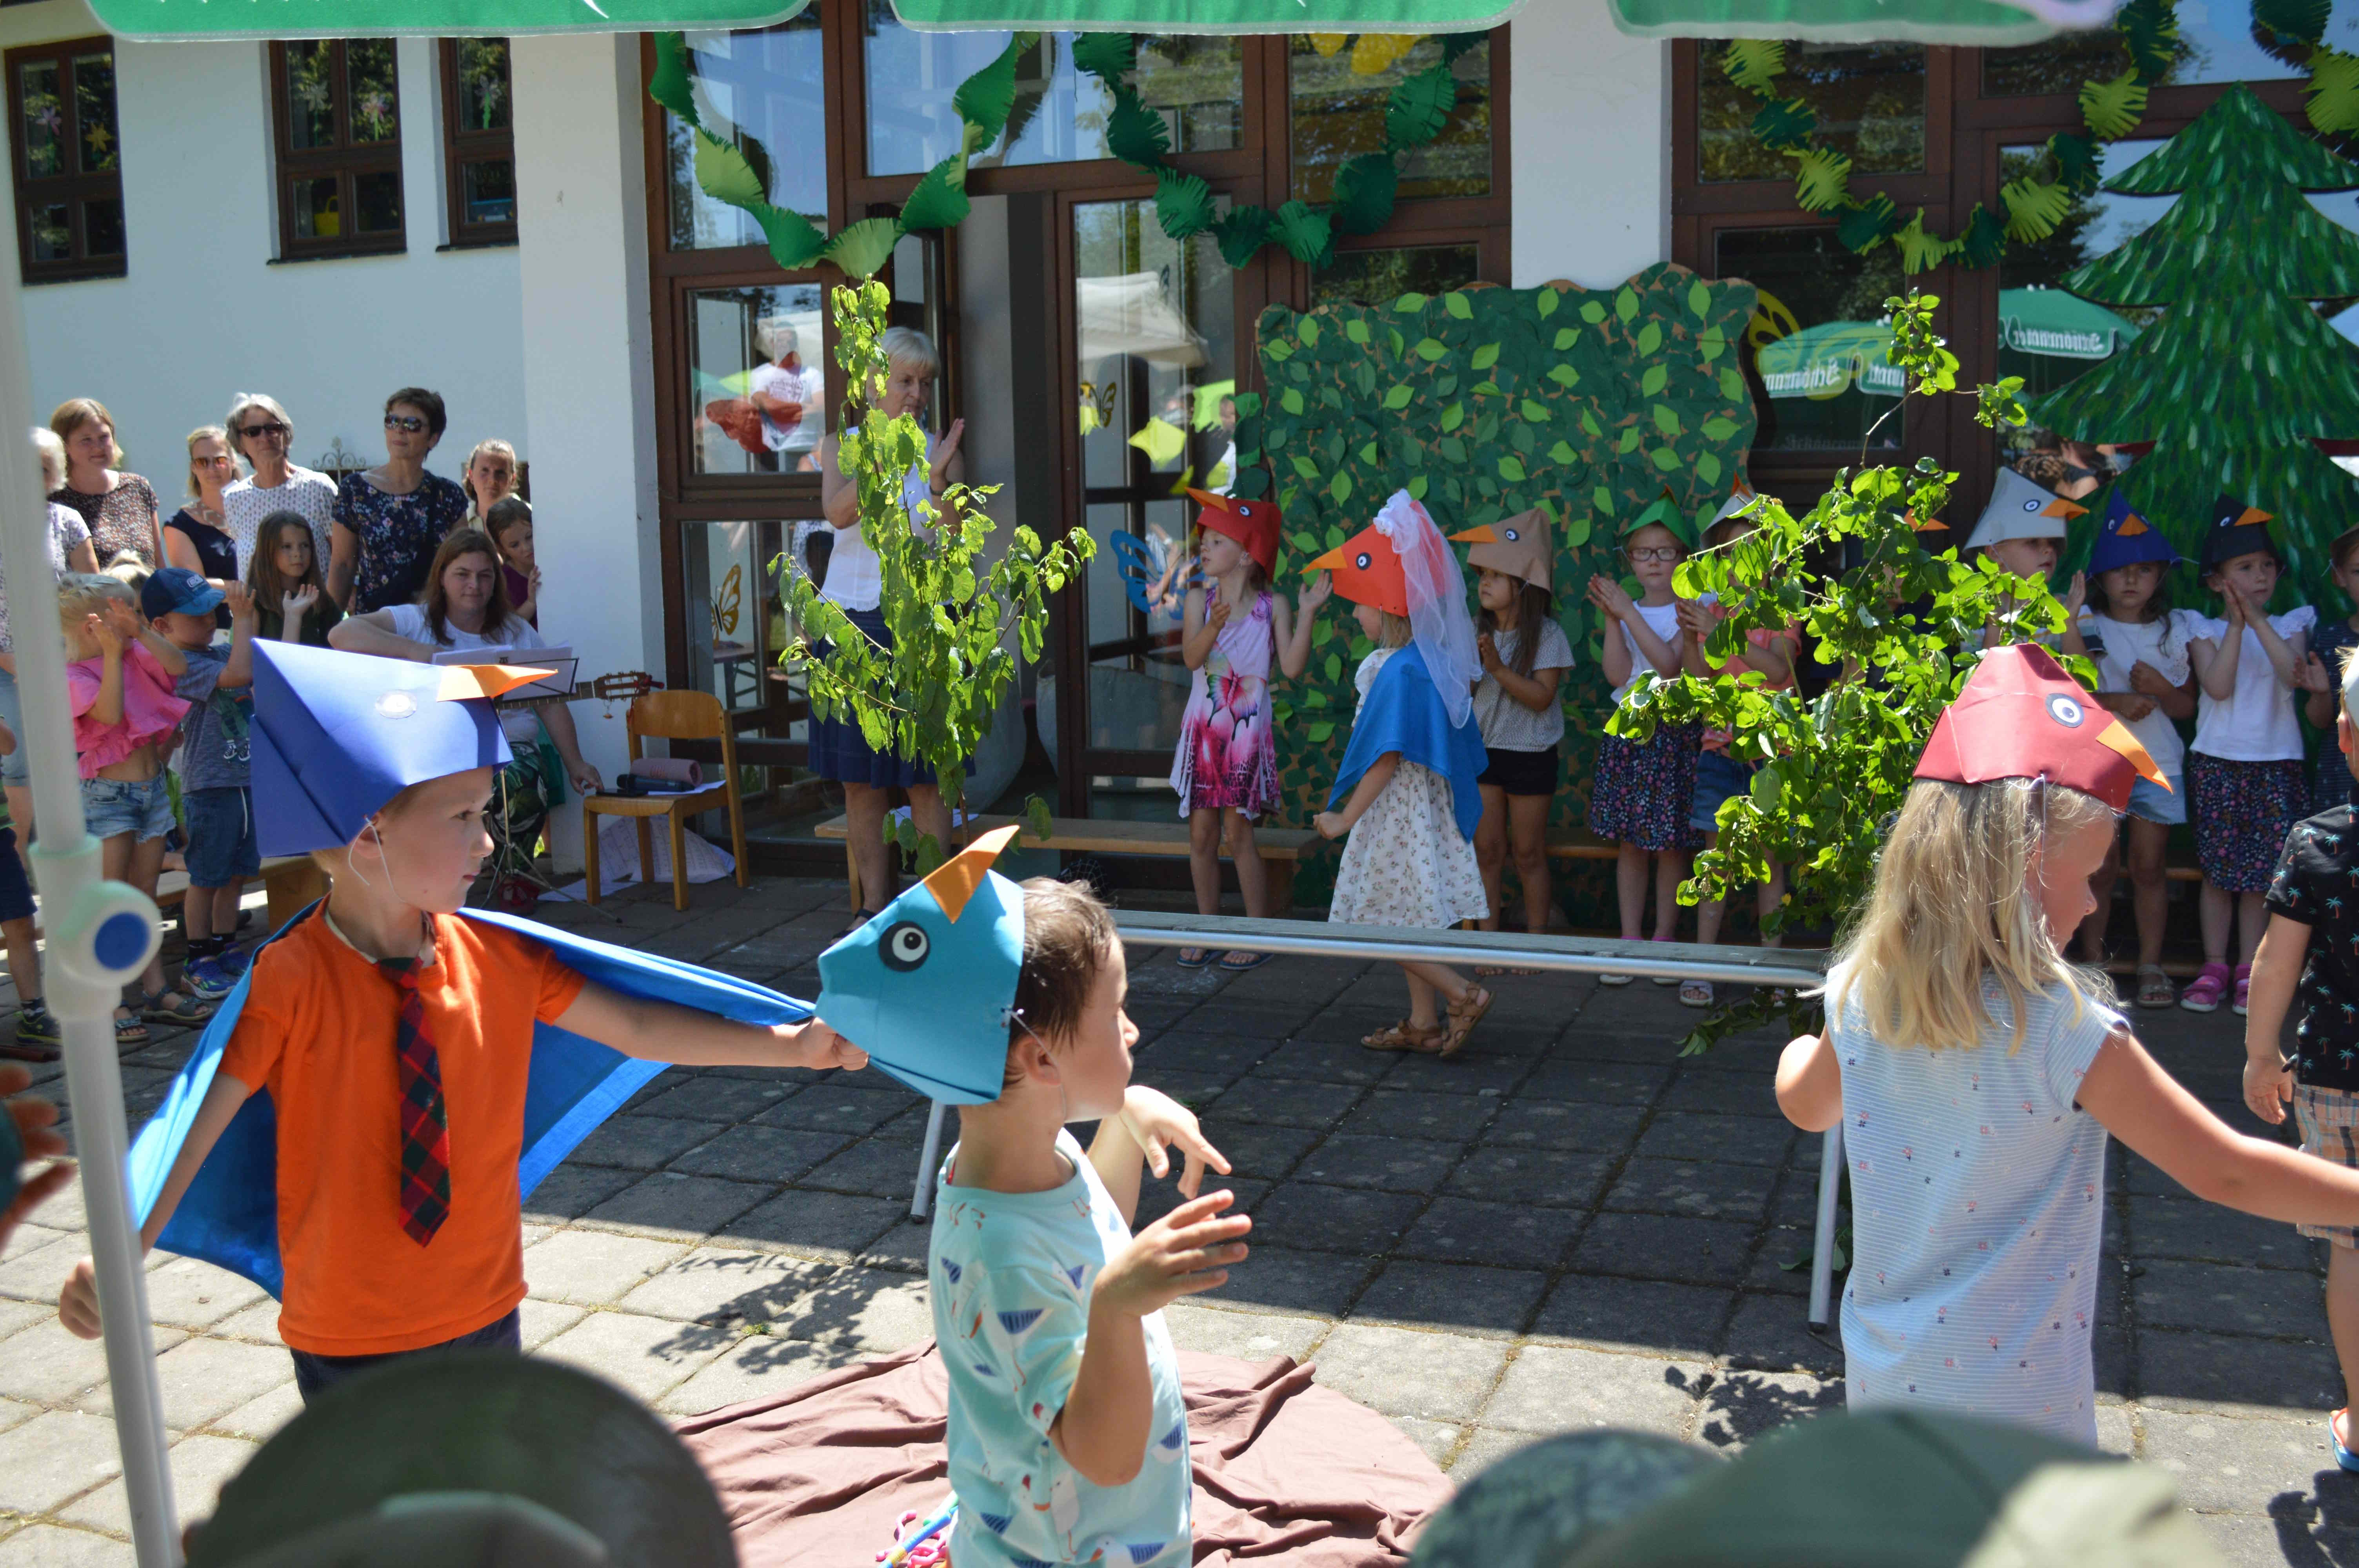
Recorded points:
1464,1014
1405,1036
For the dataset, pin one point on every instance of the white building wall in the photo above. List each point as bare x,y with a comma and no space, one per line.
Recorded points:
205,311
1592,147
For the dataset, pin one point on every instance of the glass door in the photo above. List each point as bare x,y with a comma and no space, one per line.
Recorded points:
1154,336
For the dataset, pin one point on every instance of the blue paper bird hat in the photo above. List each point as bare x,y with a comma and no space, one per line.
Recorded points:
338,735
926,986
2127,538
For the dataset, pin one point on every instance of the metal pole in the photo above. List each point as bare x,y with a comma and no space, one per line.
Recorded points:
99,934
922,1199
1822,1251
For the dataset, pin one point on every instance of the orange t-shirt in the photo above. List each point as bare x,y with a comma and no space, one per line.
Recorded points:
316,1032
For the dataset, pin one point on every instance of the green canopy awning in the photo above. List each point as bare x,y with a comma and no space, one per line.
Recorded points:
2062,326
1840,21
1207,16
164,19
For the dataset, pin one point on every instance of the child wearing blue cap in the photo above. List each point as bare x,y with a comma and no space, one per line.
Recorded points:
215,799
2140,646
382,1086
1068,1435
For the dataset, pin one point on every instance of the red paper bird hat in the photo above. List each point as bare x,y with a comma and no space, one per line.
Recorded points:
2021,716
1253,523
1367,570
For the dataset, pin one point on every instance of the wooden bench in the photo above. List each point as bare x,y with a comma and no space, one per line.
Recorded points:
1583,845
1281,848
291,880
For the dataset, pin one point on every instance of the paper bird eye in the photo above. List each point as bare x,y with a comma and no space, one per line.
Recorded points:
905,947
2066,711
1361,560
1513,536
2031,506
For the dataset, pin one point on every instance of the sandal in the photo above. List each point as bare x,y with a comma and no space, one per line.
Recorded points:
1195,957
128,1030
173,1007
860,917
1464,1014
2335,1422
1405,1036
1231,966
2244,988
1616,980
2154,986
2204,993
1695,993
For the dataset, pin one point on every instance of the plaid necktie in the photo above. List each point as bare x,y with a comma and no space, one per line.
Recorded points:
425,1118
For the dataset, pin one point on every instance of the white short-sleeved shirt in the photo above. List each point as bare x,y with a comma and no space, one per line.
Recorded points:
1663,620
522,725
2255,724
855,579
1010,1274
1507,725
2159,644
66,530
245,506
1977,1202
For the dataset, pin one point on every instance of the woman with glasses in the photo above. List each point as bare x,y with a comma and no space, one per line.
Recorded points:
260,431
118,508
194,537
391,519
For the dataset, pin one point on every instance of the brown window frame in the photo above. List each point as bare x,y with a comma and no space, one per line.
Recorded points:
344,160
462,146
75,188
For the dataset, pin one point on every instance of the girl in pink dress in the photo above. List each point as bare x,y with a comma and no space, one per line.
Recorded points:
1226,766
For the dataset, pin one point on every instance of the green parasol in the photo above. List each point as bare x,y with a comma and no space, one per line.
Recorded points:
2059,325
437,18
1831,359
1839,21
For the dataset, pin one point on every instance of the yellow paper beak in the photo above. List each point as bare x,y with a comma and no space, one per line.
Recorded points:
462,681
954,880
1480,534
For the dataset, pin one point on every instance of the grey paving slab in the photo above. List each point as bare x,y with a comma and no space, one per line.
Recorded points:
644,1142
1684,1321
2225,1465
1741,1404
1304,1215
54,1459
1665,1247
45,1364
2226,1374
647,1356
2274,1302
1504,1235
1284,1280
1486,1301
1705,1192
57,1546
260,1419
667,1203
746,1153
829,1227
1609,1082
1546,1124
1761,1139
1551,1178
756,1367
1392,1165
1395,1113
571,1190
1555,1388
199,1464
186,1294
1263,1151
834,1106
716,1284
1249,1335
2184,1227
1289,1102
594,1267
712,1097
1401,1371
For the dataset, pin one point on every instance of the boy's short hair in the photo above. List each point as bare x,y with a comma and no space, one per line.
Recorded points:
1067,937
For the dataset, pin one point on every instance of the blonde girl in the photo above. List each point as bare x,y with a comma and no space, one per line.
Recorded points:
197,535
1976,1073
489,478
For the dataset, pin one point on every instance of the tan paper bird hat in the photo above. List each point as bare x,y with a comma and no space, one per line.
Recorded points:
1522,547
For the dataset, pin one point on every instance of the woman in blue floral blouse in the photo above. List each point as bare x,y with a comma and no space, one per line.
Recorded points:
391,519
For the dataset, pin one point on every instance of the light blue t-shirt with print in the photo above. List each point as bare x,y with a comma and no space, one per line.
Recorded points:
1010,1276
1977,1190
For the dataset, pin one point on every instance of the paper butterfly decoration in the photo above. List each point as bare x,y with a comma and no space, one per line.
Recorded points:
925,986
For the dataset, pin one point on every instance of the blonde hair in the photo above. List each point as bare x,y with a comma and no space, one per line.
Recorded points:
125,567
53,458
75,412
497,449
1393,631
82,593
1953,906
219,433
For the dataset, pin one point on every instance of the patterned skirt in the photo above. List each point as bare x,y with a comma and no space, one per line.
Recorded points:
2242,813
1645,794
1227,757
1406,863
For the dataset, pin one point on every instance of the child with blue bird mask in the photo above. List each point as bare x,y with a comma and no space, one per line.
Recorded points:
1068,1435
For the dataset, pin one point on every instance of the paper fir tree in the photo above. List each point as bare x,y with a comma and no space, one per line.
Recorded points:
2241,376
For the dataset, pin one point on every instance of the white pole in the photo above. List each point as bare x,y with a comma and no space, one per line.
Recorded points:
1822,1251
100,934
921,1200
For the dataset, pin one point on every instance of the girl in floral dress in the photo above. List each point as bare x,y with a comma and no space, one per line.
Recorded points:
1226,766
1407,791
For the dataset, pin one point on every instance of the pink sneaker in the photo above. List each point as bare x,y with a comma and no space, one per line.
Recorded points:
2203,994
2244,988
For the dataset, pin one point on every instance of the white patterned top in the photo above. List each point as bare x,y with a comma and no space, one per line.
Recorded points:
245,506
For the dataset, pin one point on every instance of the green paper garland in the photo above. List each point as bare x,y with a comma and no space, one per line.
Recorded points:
2110,110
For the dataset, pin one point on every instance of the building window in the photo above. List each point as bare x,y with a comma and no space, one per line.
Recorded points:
479,141
68,163
1338,88
765,92
338,108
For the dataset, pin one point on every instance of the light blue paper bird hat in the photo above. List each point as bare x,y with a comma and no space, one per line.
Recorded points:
338,735
925,986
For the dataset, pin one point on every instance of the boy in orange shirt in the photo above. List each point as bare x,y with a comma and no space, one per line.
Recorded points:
393,1060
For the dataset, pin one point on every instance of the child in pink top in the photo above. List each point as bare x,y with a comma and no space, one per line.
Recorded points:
126,715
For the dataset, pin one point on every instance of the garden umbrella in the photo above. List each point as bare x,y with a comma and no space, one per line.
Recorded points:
2065,326
1918,21
1831,359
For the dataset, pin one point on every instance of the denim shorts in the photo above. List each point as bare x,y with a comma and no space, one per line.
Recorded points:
1719,777
222,846
2151,803
17,767
113,806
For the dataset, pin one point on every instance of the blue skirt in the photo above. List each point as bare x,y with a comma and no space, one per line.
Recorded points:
838,750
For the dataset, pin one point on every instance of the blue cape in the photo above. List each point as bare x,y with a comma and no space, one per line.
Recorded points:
1403,712
230,1213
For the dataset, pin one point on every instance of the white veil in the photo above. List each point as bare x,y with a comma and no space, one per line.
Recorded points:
1437,602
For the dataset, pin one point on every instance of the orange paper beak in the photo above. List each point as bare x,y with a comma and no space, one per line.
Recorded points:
2021,716
1367,570
461,682
954,880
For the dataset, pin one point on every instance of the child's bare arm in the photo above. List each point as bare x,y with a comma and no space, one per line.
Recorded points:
1810,1084
239,671
1136,1137
2215,663
2285,653
1292,635
167,653
1536,691
1201,622
2149,1111
78,1302
1335,824
658,1032
1103,1429
2277,971
108,708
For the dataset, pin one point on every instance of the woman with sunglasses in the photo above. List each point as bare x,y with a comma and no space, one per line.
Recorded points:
391,519
194,536
260,431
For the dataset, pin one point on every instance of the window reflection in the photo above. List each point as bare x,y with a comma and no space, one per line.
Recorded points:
1196,84
1380,277
764,90
2217,42
1338,86
757,370
737,620
1869,98
1817,340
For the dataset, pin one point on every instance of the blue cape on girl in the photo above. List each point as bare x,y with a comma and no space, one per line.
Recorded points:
1403,712
230,1213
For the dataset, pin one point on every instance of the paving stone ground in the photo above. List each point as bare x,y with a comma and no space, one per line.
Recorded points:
1570,1227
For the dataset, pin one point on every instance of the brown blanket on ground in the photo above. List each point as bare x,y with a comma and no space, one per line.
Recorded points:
1285,1471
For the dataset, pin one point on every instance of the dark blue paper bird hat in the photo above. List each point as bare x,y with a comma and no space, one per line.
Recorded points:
924,988
2127,538
338,735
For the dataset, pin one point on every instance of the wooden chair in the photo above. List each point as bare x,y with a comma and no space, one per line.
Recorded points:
670,716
